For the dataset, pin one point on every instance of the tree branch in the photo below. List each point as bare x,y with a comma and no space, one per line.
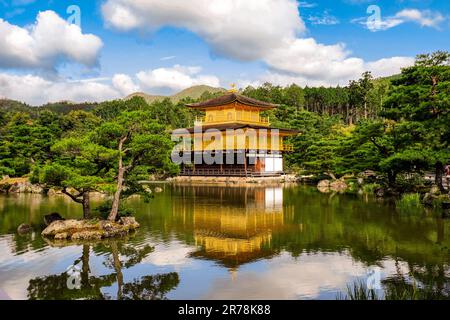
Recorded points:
73,197
381,148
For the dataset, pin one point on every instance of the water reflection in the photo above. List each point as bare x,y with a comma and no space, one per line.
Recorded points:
240,231
230,243
118,257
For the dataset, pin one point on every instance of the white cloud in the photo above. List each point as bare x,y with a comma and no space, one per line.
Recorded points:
425,18
307,5
175,78
36,90
167,58
124,84
265,30
45,43
390,66
241,29
379,68
325,19
306,62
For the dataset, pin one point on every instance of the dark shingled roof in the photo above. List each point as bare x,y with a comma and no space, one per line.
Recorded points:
230,98
235,126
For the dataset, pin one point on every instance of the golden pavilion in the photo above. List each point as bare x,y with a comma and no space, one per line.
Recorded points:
233,138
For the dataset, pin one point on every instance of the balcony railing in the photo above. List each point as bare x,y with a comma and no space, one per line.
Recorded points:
232,118
288,147
228,172
207,147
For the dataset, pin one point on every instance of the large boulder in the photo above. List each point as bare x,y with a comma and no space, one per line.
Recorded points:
65,226
36,189
324,186
338,186
24,229
52,217
20,187
129,222
89,229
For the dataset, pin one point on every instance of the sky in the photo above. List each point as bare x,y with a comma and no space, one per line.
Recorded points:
96,50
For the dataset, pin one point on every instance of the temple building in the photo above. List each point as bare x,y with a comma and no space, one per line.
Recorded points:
233,138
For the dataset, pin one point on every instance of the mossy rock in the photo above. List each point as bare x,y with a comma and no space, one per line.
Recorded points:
90,229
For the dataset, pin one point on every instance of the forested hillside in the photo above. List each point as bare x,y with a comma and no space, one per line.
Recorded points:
394,126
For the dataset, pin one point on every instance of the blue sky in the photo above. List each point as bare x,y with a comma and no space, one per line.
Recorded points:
165,46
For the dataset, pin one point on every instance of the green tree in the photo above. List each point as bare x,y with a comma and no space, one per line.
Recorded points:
140,145
421,95
78,168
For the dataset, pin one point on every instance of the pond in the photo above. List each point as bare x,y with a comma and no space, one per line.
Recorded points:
214,242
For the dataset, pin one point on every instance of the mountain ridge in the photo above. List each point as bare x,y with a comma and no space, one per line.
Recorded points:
193,92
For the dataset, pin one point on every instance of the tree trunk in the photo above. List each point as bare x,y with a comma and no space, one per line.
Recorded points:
365,110
86,206
118,268
120,180
116,201
439,175
392,177
85,266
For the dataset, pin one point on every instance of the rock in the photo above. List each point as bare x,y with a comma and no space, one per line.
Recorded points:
89,229
291,178
369,174
5,177
380,193
61,236
51,192
24,229
20,187
148,190
388,192
135,197
72,190
36,189
158,190
324,184
52,217
87,235
98,195
129,222
338,186
360,181
62,226
106,226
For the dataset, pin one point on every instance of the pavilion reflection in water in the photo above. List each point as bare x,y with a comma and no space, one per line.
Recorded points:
239,230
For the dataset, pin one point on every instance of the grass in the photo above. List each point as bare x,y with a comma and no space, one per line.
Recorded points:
370,188
358,291
394,290
409,202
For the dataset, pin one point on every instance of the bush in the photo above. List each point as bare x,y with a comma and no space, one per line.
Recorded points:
370,188
104,209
